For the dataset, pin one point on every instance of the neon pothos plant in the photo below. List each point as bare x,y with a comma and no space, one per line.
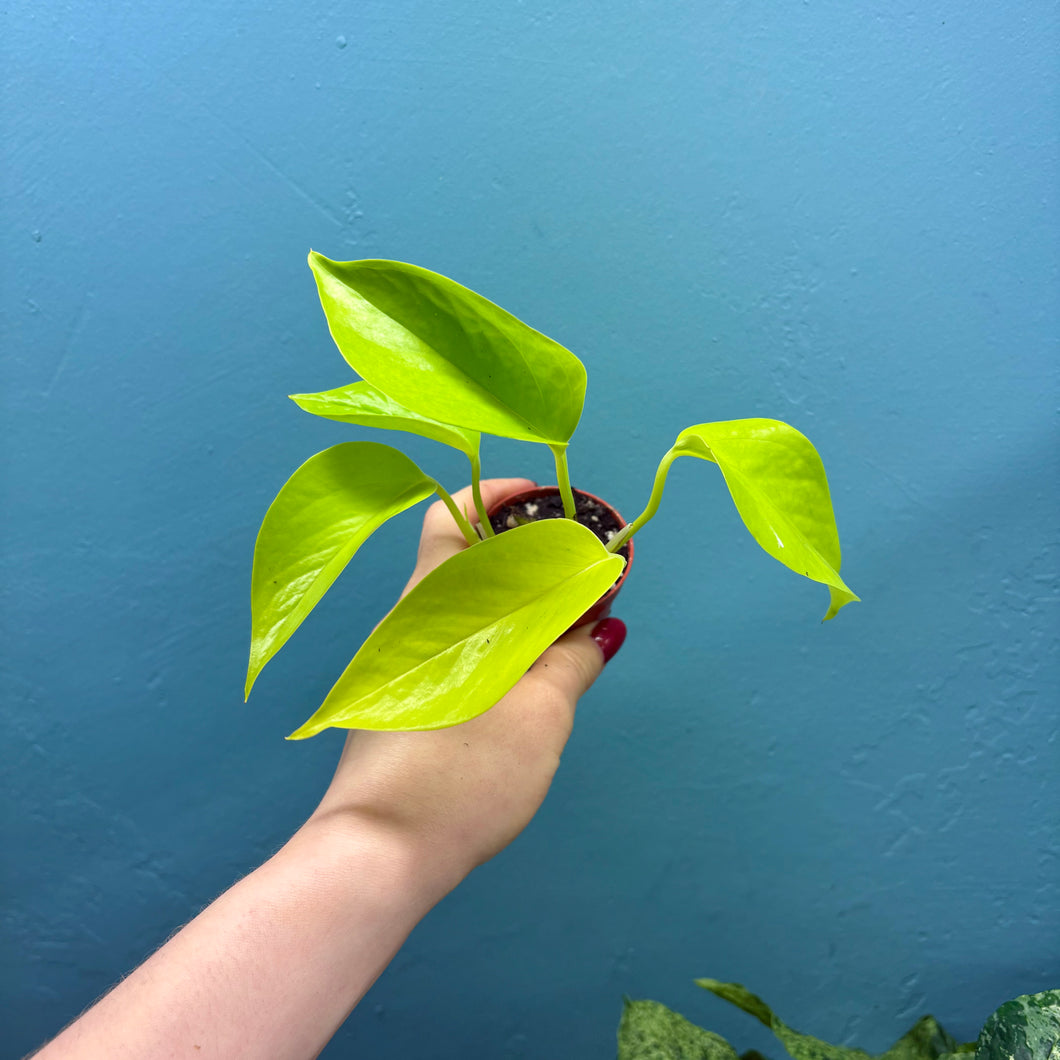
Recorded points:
438,360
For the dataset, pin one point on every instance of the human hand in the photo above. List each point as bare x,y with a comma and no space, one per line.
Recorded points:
455,797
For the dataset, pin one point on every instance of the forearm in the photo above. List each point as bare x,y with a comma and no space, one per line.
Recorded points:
273,967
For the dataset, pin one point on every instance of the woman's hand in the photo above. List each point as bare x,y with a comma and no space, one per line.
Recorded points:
460,795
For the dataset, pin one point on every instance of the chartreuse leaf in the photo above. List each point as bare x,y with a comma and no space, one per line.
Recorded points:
650,1031
445,352
925,1040
466,633
365,405
326,510
778,484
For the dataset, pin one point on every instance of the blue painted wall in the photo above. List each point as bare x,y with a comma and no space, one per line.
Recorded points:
839,214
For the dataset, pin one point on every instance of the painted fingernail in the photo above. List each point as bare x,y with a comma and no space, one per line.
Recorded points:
609,635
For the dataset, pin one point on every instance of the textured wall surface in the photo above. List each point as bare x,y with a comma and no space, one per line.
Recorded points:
839,214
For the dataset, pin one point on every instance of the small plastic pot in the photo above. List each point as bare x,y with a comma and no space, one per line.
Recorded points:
548,504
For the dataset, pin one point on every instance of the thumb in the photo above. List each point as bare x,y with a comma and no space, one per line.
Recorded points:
575,661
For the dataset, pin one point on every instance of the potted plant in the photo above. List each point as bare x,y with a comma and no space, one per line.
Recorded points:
1025,1028
438,360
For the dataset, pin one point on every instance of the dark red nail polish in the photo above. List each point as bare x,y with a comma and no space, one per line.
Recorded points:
609,634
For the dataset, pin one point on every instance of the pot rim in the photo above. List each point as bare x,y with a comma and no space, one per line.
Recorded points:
602,607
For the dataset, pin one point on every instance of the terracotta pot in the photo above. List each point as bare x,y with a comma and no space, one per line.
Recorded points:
602,607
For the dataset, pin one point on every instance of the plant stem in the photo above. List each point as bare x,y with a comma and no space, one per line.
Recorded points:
480,507
563,477
653,503
461,519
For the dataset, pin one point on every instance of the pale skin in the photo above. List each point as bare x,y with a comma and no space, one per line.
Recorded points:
274,965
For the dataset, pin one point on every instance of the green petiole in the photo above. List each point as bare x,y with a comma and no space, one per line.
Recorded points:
486,530
461,520
653,503
559,452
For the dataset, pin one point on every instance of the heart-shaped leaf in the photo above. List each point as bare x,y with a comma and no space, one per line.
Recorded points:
367,406
448,353
326,510
466,633
1025,1028
778,484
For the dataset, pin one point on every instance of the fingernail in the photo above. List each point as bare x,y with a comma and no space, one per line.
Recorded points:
609,635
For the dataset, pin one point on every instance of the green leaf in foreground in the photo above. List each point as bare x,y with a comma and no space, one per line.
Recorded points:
465,634
778,484
447,353
925,1040
1026,1028
326,510
366,406
650,1031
